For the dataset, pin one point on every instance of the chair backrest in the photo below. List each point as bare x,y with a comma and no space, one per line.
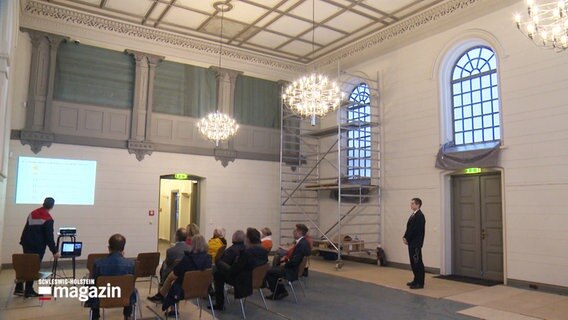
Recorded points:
302,266
92,258
258,275
146,265
219,253
196,284
26,266
126,285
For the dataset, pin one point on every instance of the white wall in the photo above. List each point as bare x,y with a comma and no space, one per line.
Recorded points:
535,146
9,21
126,189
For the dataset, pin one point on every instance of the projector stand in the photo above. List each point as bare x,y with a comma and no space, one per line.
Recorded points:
73,238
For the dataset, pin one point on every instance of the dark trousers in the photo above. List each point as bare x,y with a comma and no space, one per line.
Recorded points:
415,254
272,278
127,311
220,277
29,284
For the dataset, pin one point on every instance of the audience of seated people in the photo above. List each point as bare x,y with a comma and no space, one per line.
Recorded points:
287,266
174,254
113,265
217,242
192,230
196,259
236,264
266,238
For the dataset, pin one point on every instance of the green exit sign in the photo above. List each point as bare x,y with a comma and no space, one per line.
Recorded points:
180,176
472,170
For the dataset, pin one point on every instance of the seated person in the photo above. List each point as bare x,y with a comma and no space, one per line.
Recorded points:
216,242
266,238
285,252
237,270
290,268
113,265
192,230
174,254
196,259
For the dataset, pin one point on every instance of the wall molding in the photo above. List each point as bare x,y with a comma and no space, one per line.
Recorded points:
537,286
155,147
34,9
406,26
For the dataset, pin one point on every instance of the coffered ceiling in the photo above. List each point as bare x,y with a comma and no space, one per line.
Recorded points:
280,28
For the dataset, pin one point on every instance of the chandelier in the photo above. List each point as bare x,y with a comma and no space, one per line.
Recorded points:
314,95
218,126
546,24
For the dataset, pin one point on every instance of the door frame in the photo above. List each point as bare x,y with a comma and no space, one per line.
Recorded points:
446,245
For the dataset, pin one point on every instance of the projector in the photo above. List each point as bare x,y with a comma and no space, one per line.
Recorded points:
67,231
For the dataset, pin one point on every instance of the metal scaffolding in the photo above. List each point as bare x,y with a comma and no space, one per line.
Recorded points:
341,160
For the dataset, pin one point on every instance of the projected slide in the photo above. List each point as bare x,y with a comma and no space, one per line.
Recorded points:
67,181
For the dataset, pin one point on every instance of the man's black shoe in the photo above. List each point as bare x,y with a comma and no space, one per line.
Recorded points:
157,298
410,283
19,292
417,286
216,307
32,294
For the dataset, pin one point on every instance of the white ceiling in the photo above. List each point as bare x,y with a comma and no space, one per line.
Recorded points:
281,28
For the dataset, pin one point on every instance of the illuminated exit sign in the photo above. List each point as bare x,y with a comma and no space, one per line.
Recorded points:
472,170
180,176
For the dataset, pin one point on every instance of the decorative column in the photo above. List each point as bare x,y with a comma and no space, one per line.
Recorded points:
37,132
9,14
141,120
226,83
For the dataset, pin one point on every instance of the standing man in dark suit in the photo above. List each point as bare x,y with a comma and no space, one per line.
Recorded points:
291,265
414,238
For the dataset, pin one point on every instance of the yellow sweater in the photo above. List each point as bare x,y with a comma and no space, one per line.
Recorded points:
214,245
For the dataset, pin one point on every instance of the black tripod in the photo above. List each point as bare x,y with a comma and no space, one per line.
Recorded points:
60,236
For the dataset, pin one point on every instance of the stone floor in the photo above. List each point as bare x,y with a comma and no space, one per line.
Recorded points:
356,291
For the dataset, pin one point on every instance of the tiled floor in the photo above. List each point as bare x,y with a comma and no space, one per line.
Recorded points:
497,302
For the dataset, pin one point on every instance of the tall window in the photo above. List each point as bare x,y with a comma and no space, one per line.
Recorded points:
475,97
359,132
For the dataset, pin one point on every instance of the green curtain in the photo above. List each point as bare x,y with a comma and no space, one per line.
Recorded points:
95,76
257,102
184,90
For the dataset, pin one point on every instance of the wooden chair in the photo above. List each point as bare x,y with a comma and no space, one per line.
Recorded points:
301,268
196,286
26,266
146,265
126,284
91,259
259,280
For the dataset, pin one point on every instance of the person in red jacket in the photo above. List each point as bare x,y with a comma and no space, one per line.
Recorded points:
36,236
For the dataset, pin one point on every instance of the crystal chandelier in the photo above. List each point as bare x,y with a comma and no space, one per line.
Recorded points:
546,23
218,126
314,95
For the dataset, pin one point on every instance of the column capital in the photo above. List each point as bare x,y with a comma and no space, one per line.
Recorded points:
221,72
145,58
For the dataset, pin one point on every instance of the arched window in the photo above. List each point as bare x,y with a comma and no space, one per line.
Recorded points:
359,132
475,97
